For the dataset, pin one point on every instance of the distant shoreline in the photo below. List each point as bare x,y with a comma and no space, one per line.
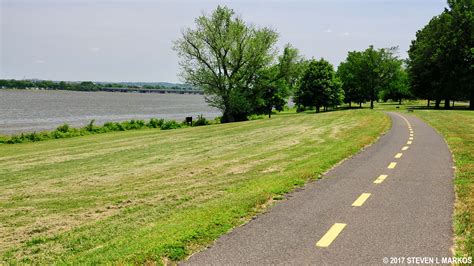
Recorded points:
123,90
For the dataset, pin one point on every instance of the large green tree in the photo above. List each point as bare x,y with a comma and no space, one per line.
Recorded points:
441,58
348,72
398,88
319,87
365,73
223,55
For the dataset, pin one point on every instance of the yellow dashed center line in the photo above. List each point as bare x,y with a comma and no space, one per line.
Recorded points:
337,228
330,235
361,199
380,179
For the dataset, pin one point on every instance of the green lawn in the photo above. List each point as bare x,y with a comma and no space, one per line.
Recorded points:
457,127
151,195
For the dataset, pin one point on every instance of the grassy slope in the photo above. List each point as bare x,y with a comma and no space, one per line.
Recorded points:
457,127
146,195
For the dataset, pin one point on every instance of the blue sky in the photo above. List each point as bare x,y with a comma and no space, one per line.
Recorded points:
125,40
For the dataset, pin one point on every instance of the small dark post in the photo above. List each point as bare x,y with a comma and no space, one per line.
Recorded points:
189,120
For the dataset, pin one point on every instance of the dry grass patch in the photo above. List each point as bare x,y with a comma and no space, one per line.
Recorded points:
152,196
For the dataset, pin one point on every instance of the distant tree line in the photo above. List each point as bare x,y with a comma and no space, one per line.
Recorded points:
77,86
239,69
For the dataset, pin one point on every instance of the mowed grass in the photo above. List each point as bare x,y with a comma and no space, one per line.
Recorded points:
457,127
153,196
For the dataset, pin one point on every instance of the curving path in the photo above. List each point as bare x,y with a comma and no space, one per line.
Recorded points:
393,200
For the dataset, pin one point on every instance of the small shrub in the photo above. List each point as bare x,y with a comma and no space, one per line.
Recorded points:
111,126
15,139
120,127
200,121
34,137
155,123
139,124
90,127
170,124
133,124
58,134
63,128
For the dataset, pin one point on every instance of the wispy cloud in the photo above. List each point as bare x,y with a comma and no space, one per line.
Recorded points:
328,31
39,61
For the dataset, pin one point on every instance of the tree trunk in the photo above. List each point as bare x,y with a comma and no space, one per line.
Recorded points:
371,103
400,101
453,104
317,109
227,117
446,103
437,103
428,105
350,104
360,105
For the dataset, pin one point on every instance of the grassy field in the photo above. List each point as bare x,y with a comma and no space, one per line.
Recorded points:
457,127
151,195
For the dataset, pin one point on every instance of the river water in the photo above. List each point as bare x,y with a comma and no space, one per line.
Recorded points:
38,110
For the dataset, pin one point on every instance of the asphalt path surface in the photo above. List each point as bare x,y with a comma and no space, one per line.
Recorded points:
390,204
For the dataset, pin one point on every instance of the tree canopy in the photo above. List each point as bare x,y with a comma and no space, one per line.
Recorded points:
223,55
441,58
365,73
277,82
320,87
398,88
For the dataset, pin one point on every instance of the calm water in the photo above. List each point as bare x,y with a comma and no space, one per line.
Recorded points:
28,110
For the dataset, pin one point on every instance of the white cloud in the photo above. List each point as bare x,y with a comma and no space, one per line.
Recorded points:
328,31
39,61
